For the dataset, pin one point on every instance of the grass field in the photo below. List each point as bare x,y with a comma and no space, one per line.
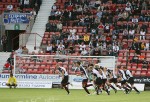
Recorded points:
59,95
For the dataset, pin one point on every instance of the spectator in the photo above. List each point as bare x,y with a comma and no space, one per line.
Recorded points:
128,8
135,59
49,48
141,58
109,50
61,47
145,64
33,58
19,50
71,48
54,48
84,52
66,44
115,50
4,42
86,39
54,7
125,34
59,26
135,20
131,33
147,46
7,66
82,47
73,31
96,52
33,12
144,5
71,38
10,60
26,3
10,7
25,50
142,34
76,38
142,46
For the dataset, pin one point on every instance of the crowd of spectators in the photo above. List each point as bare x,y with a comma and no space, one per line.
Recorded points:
25,6
105,25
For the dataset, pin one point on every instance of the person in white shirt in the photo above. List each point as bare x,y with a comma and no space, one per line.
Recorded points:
10,7
49,48
59,26
71,38
61,47
125,34
33,12
146,46
26,3
135,20
58,13
82,47
131,33
19,51
54,7
115,50
76,38
84,52
130,79
73,31
128,8
142,34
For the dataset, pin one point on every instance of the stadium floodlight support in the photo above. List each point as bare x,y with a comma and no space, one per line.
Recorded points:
105,61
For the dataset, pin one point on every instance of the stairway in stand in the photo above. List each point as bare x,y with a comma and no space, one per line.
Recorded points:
39,25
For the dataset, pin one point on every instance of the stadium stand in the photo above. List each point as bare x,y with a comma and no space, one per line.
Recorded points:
118,28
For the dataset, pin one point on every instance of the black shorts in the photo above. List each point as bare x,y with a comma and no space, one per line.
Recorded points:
99,81
131,80
104,81
65,80
113,80
84,81
11,84
123,82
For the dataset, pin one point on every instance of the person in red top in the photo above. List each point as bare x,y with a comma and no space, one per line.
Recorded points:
7,65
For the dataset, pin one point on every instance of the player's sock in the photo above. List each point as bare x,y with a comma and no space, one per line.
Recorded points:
66,88
118,86
136,89
113,88
86,90
89,85
97,90
129,87
126,90
108,92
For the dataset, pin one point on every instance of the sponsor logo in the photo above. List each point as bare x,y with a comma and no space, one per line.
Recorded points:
78,79
31,77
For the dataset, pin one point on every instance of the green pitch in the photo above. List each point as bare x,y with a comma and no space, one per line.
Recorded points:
59,95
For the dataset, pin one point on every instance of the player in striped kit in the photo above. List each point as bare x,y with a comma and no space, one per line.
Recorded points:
97,78
123,79
65,77
130,79
103,72
85,77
